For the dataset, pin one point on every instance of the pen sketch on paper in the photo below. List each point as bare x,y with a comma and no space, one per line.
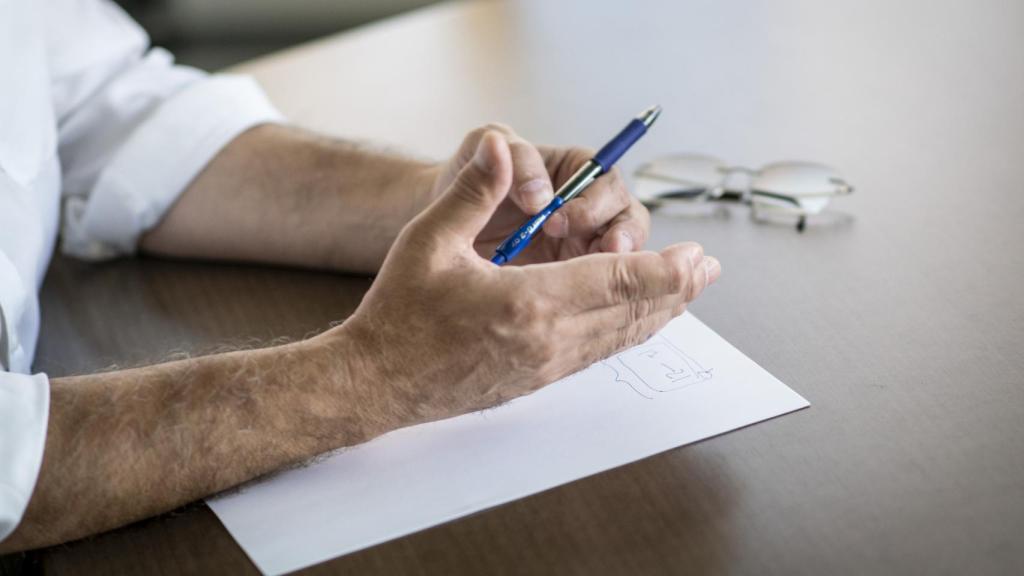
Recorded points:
640,402
656,367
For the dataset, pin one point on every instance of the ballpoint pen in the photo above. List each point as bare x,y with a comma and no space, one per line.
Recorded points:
585,176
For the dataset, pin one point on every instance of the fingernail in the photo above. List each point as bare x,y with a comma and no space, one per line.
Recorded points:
695,254
625,242
482,157
713,269
557,225
536,193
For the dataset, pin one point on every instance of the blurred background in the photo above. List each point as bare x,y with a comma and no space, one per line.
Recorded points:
212,34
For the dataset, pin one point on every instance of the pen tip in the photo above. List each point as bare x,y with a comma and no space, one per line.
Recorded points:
649,115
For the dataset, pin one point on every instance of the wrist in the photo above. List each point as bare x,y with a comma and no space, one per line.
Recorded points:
361,394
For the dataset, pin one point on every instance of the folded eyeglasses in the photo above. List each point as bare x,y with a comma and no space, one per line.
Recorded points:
777,192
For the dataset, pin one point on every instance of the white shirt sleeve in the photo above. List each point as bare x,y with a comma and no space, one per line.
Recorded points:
25,403
130,130
134,129
24,399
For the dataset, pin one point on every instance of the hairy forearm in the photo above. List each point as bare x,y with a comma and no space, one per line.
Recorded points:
125,445
282,195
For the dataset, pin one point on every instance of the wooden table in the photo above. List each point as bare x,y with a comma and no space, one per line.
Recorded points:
904,328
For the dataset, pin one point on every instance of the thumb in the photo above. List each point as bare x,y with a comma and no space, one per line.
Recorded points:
467,205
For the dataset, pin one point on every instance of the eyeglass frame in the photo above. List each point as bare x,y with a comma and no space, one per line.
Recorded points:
720,192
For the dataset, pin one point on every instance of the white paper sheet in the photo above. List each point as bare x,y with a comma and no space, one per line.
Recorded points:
683,385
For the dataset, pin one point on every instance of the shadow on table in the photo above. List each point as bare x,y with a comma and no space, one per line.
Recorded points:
140,311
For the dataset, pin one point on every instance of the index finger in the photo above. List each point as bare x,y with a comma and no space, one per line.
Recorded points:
602,280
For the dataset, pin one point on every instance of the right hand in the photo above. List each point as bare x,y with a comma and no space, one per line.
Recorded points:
443,331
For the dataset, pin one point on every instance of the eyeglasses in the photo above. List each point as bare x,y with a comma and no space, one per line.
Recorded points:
778,192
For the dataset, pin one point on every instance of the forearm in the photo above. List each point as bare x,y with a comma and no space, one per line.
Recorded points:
125,445
282,195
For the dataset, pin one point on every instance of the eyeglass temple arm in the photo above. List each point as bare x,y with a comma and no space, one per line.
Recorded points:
842,187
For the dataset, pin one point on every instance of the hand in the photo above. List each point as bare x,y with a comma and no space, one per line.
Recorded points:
604,218
443,331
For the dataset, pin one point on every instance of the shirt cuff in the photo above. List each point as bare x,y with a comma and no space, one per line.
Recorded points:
21,321
24,410
159,160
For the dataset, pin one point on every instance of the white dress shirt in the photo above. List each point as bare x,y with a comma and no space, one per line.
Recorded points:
98,136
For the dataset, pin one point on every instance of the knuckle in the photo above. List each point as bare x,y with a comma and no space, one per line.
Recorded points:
626,285
523,147
687,286
642,225
696,283
633,312
650,306
638,233
635,212
592,219
676,276
537,347
584,216
498,127
639,310
618,186
476,134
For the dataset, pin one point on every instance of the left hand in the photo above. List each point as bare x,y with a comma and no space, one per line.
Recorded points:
603,218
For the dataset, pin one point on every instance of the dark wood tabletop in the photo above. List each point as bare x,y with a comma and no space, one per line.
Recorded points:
904,325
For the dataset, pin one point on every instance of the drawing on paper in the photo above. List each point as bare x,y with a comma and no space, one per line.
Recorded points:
656,367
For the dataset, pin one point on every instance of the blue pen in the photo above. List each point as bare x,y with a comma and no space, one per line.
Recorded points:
596,166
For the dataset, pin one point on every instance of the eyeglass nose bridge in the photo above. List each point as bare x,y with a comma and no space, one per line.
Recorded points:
722,188
737,170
